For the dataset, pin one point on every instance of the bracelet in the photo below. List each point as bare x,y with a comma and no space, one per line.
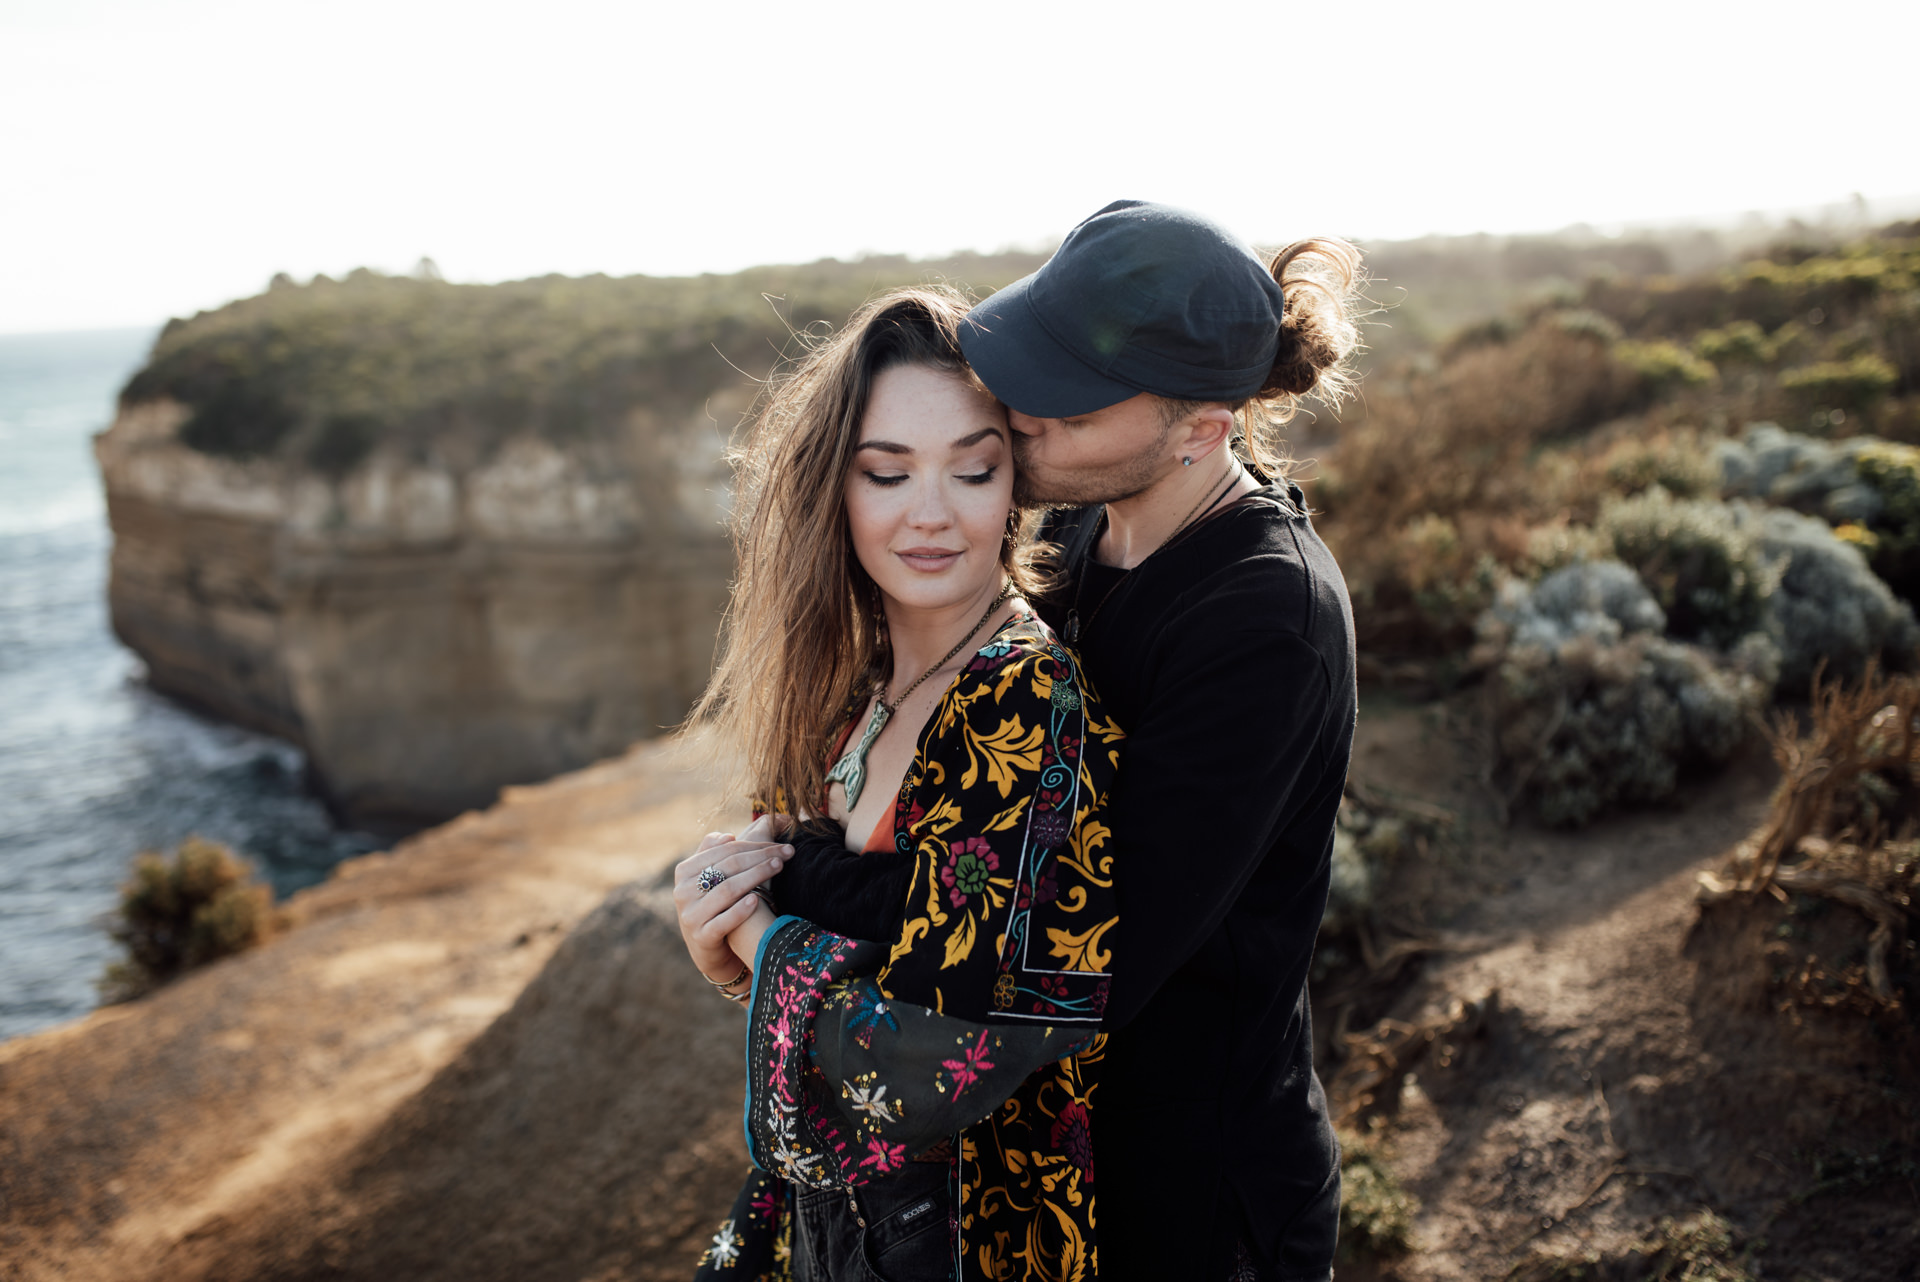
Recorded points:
722,985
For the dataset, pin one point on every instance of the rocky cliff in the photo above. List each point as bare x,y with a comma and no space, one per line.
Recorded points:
449,537
428,630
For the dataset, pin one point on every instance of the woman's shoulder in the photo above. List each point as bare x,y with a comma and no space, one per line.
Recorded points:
1024,641
1026,661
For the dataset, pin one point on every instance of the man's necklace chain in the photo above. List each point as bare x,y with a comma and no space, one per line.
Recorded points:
1075,627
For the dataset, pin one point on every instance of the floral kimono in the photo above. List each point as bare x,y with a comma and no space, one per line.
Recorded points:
973,1032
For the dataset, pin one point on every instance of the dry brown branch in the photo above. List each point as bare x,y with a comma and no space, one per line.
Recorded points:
1389,1049
1888,917
1853,732
1849,798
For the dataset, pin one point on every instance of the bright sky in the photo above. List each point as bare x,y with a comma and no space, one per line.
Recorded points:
160,156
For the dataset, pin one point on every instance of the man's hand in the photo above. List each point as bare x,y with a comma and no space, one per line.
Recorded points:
707,917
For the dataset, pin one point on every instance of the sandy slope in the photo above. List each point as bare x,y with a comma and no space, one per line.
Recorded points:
150,1140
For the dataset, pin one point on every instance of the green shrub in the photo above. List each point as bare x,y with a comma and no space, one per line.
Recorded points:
1701,1247
1584,322
1826,604
1892,539
1676,464
1851,276
1739,343
181,912
1373,840
1701,568
1559,543
1376,1214
1451,581
1854,385
1664,367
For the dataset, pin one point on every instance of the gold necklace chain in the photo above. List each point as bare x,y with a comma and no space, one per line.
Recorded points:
851,770
1005,592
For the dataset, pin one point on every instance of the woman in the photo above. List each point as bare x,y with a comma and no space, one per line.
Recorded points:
918,1106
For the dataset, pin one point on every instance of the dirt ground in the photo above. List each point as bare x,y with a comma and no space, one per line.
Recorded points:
482,1056
417,1080
1606,1055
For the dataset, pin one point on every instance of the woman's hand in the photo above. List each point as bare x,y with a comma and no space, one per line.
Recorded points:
708,917
745,938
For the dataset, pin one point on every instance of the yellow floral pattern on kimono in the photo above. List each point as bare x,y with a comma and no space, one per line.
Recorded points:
977,1025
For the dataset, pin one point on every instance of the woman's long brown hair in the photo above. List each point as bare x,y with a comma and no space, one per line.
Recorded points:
805,637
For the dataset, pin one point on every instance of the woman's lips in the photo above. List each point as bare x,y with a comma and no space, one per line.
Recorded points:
928,560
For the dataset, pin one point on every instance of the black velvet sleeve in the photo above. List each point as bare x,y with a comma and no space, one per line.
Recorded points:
862,896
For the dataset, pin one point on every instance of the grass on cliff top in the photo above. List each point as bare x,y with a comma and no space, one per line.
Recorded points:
320,373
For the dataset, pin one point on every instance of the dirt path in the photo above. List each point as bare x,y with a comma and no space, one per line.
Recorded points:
1620,1060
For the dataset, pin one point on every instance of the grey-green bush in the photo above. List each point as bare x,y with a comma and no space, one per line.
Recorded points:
1827,604
1592,709
1604,600
1800,472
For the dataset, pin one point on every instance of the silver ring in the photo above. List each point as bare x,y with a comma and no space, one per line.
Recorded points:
709,878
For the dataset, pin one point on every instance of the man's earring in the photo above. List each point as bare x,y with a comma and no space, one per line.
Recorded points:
1186,462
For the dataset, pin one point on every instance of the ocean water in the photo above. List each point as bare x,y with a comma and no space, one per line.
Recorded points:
94,767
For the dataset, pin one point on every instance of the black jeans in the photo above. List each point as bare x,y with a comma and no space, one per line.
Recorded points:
894,1230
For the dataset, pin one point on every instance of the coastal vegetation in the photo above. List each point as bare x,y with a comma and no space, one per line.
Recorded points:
320,373
1376,1213
1640,512
178,911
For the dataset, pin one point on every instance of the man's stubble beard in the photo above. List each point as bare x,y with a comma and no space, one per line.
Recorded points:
1083,487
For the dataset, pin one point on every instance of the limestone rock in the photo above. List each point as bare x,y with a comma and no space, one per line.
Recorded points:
429,630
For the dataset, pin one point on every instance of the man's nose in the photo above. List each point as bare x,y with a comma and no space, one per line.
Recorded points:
1026,424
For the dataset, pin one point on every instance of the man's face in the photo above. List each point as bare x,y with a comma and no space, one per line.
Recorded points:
1102,457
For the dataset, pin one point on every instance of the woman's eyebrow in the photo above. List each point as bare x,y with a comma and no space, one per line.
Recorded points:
894,447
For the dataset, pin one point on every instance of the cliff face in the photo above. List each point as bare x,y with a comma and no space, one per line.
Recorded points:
427,628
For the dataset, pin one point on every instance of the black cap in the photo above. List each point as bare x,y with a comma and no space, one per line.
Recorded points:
1138,298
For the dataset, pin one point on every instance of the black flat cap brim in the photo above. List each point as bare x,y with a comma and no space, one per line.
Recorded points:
1026,367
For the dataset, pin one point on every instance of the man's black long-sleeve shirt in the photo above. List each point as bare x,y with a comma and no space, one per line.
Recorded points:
1227,658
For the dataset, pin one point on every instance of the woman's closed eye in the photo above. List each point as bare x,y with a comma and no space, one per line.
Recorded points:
886,480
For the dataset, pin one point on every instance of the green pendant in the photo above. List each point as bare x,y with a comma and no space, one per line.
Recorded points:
851,770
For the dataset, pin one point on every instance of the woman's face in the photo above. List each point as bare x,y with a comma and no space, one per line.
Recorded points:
930,488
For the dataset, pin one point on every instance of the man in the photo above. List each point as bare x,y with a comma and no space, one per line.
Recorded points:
1216,626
